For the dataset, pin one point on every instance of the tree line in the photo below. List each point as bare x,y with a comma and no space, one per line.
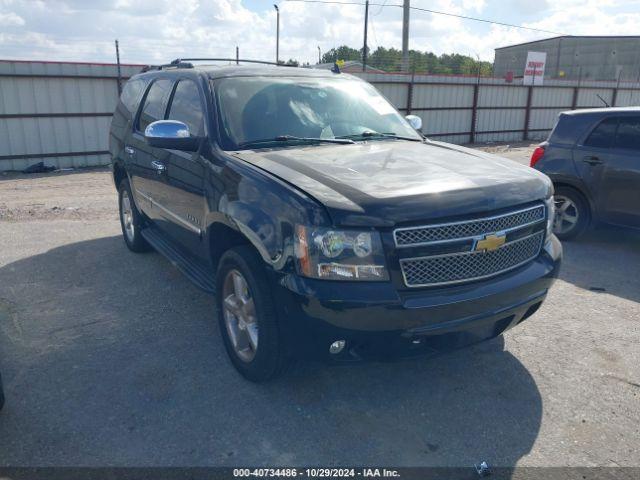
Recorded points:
390,60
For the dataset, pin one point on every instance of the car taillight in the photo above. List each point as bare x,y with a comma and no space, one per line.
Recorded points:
537,154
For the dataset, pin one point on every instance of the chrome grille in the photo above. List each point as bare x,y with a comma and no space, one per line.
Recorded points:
415,236
467,266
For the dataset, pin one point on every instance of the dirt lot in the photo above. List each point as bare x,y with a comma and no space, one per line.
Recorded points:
112,358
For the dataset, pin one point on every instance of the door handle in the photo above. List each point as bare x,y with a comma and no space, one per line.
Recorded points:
158,166
129,150
591,160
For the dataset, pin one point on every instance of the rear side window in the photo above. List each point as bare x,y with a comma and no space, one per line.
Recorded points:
186,107
628,135
602,136
131,94
566,130
154,103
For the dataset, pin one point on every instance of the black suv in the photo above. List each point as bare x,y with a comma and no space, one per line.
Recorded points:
593,159
325,225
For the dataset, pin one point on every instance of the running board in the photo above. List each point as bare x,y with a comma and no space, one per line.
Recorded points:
199,275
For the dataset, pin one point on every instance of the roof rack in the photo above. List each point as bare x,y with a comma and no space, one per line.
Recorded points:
167,65
181,61
186,63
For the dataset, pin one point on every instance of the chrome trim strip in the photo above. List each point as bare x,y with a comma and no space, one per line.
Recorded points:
475,237
471,279
173,215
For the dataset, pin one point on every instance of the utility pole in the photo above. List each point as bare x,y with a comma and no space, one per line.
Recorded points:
277,33
406,7
119,73
319,56
366,24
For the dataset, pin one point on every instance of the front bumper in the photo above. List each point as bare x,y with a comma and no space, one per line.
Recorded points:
378,320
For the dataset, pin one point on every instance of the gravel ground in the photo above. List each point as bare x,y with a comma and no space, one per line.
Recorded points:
112,358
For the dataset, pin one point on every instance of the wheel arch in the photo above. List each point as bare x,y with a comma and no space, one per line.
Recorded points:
587,199
119,173
222,236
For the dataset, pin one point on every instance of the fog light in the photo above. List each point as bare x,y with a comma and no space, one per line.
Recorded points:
337,346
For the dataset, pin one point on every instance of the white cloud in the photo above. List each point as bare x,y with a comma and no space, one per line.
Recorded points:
158,30
10,20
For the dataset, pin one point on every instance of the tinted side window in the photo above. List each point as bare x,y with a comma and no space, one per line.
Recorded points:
154,104
602,136
566,130
628,135
186,107
131,94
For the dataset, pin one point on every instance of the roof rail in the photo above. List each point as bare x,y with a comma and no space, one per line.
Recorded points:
179,61
167,65
186,63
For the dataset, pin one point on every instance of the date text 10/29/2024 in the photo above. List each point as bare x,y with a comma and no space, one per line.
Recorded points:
316,472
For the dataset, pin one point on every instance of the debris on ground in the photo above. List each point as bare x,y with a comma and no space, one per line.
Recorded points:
39,167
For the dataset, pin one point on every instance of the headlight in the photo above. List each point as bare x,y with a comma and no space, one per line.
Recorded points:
339,254
551,213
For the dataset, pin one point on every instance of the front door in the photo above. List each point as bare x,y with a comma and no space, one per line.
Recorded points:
186,171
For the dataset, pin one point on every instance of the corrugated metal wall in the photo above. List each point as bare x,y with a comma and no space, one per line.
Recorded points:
59,113
467,109
588,58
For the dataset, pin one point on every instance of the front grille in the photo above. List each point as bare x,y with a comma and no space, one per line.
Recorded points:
415,236
467,266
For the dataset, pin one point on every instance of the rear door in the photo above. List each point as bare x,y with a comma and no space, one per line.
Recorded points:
608,161
620,188
591,155
148,179
186,170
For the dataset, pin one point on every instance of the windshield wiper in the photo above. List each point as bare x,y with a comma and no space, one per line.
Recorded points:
370,134
293,138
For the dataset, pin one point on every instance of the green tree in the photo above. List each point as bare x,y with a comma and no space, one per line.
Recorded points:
341,53
390,60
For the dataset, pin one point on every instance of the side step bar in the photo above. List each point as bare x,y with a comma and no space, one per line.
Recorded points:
199,275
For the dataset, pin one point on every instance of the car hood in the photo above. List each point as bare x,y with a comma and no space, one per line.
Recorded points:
384,183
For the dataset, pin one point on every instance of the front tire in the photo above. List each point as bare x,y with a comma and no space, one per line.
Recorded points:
572,213
247,316
131,220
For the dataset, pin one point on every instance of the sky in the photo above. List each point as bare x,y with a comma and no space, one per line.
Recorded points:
157,31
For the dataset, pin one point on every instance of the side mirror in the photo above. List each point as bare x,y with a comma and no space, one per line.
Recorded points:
171,134
414,121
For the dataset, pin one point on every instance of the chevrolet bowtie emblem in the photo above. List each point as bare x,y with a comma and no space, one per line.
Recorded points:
490,243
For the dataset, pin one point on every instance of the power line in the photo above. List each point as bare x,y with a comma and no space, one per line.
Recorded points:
483,20
436,12
380,9
373,30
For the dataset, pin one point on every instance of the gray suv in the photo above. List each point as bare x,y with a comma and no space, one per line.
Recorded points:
593,158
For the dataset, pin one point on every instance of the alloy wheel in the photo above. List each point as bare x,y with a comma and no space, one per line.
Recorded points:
566,216
127,216
239,313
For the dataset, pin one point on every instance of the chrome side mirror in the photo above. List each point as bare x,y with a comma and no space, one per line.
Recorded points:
414,121
171,134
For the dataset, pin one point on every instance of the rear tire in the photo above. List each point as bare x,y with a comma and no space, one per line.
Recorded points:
131,220
573,214
247,316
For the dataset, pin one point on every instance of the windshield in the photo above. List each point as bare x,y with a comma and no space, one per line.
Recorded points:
257,109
